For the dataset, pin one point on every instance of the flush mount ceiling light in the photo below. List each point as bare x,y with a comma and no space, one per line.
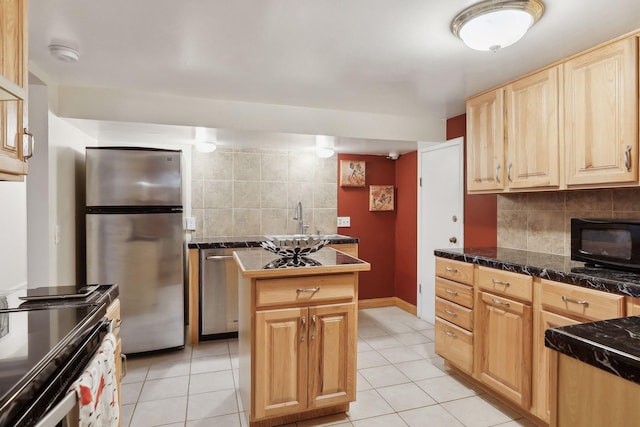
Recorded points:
325,146
495,24
205,143
64,53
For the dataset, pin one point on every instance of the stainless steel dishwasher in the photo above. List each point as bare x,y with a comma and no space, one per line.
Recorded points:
218,294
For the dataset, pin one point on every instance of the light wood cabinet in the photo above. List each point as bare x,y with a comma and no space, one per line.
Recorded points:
601,115
532,136
13,93
503,346
485,142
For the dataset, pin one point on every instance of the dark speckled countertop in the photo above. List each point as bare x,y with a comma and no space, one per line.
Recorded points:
233,242
611,345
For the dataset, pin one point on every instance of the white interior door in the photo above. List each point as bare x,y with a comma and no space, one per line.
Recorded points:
440,213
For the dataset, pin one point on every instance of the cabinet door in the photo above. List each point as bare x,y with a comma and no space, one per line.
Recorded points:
332,355
280,366
12,23
532,131
547,320
601,115
504,339
485,142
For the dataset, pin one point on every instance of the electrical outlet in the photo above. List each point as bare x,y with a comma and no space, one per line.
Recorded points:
344,221
190,223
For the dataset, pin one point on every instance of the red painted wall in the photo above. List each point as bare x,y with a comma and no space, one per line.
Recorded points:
376,230
480,210
406,250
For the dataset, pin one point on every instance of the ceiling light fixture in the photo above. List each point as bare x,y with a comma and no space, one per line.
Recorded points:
325,146
495,24
64,53
204,142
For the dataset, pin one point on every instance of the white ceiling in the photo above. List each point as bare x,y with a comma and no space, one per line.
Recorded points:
375,56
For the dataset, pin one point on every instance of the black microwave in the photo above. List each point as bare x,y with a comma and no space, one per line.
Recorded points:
613,243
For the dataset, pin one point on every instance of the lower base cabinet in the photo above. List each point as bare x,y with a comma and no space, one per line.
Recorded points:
504,346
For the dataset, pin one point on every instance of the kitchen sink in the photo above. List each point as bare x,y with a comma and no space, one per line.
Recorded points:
301,239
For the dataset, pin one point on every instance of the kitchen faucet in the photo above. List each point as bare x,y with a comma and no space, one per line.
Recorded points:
298,217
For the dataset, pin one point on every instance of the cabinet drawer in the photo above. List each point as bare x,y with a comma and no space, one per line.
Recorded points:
454,313
578,301
455,270
308,289
456,292
454,344
506,283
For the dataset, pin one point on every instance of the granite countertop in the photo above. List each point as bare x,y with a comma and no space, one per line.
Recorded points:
262,263
611,345
232,242
547,266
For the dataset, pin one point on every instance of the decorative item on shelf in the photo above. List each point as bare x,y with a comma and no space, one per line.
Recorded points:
491,25
352,173
381,198
293,251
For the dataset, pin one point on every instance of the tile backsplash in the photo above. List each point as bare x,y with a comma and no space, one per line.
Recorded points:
541,222
250,192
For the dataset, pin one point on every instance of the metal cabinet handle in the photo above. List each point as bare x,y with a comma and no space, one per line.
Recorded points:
450,292
509,172
498,302
453,239
30,143
451,269
451,334
575,301
123,358
498,174
303,322
312,290
451,313
313,327
500,282
627,158
219,257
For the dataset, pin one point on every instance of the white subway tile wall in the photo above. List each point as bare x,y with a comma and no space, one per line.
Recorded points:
249,192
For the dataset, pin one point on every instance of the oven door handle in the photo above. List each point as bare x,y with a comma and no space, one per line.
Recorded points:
61,410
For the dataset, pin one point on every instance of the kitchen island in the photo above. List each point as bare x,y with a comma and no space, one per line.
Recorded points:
297,335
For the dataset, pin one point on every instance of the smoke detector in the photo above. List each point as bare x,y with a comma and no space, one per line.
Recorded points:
393,155
64,53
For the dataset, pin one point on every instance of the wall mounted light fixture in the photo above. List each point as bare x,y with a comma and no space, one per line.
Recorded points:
495,24
205,143
325,146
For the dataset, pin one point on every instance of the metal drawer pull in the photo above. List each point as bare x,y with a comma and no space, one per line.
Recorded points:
219,257
500,282
451,313
123,358
303,321
575,301
498,302
498,174
451,334
313,327
451,269
450,292
627,158
312,290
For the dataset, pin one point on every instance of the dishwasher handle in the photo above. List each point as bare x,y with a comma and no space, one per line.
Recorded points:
218,257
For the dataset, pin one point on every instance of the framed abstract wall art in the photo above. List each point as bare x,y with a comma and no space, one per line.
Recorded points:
381,198
352,173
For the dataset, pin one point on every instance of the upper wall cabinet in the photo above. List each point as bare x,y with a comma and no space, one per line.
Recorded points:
572,125
485,142
15,143
601,115
532,131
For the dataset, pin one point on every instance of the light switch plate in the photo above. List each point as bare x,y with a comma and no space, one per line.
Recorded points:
344,221
190,223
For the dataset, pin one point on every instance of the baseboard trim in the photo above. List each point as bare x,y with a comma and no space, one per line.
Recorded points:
388,302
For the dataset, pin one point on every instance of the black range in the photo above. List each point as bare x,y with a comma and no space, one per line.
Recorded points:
44,346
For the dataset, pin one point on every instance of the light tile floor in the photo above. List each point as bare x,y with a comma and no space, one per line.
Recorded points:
400,382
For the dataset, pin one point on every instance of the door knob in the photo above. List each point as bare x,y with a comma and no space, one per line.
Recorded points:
453,239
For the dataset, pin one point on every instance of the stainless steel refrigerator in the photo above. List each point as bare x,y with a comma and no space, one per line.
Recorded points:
135,239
